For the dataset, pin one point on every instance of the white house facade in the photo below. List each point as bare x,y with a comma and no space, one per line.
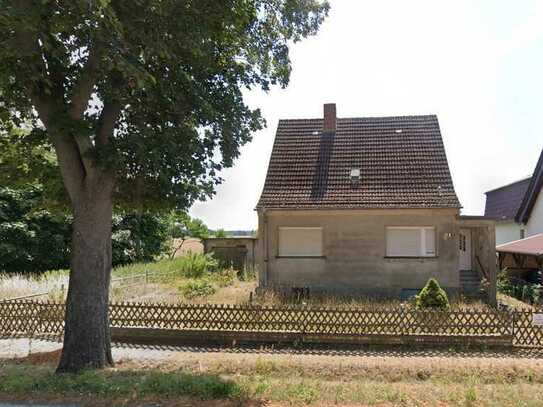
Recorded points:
517,208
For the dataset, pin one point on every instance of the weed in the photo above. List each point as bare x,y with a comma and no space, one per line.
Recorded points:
471,395
226,277
302,392
196,265
264,367
197,288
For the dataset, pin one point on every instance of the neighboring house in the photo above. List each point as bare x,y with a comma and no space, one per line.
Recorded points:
366,206
517,207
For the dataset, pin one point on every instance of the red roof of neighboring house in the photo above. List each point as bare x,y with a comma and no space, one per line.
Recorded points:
401,162
531,245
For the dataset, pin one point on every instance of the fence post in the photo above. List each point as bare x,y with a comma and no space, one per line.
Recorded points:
514,320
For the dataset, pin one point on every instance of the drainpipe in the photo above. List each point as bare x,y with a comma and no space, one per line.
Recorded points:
265,249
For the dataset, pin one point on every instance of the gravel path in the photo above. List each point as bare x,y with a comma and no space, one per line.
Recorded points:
243,359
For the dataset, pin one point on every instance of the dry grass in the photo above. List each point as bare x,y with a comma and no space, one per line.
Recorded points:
295,379
165,278
18,285
514,303
271,298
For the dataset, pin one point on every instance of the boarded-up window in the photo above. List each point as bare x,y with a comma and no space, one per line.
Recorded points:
300,241
411,241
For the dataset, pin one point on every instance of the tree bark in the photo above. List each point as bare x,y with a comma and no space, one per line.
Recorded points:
87,342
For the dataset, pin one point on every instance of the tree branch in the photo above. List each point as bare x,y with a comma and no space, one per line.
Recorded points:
84,87
108,119
48,107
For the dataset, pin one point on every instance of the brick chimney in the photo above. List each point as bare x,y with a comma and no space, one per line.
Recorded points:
329,125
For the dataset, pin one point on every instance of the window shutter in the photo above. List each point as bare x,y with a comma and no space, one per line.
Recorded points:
410,241
430,242
403,242
300,241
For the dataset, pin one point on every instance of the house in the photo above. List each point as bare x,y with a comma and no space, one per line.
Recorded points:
517,207
367,207
502,205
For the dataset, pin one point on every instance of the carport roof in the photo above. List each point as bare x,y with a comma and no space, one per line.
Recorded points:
532,245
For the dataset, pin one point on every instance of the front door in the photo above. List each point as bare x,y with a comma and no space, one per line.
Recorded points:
464,245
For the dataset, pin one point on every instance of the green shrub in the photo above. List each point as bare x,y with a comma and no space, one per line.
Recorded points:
518,288
197,288
432,296
196,265
34,239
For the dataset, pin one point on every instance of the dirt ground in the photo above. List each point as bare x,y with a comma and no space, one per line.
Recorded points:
350,362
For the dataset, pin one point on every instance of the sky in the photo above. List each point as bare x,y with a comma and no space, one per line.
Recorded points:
477,64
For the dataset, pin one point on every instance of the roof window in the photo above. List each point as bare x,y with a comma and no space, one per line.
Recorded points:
355,174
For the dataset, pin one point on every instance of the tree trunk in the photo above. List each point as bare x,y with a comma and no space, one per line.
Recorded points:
86,333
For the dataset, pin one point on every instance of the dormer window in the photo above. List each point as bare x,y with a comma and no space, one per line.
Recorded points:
355,174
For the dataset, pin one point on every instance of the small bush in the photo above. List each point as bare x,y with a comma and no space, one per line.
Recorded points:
432,296
196,265
197,288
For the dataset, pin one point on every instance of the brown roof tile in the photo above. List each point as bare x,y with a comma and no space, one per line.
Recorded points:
407,169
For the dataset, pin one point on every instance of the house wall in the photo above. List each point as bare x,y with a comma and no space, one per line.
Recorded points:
535,222
507,231
354,245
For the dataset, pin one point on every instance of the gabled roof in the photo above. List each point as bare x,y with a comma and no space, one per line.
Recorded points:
402,164
503,203
528,202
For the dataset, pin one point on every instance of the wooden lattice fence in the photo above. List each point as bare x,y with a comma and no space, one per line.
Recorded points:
45,318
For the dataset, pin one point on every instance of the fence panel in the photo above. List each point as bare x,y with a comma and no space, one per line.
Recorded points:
33,317
526,332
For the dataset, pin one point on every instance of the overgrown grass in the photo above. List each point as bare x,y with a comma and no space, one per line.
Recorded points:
271,298
23,380
267,382
194,277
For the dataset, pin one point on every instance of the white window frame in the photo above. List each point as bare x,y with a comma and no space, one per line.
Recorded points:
319,228
422,252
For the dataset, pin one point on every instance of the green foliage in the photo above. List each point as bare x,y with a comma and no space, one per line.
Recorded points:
196,265
163,81
519,289
226,277
28,159
220,233
197,288
35,239
31,239
432,296
138,237
181,226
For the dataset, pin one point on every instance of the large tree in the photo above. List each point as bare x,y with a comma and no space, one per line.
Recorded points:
142,101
